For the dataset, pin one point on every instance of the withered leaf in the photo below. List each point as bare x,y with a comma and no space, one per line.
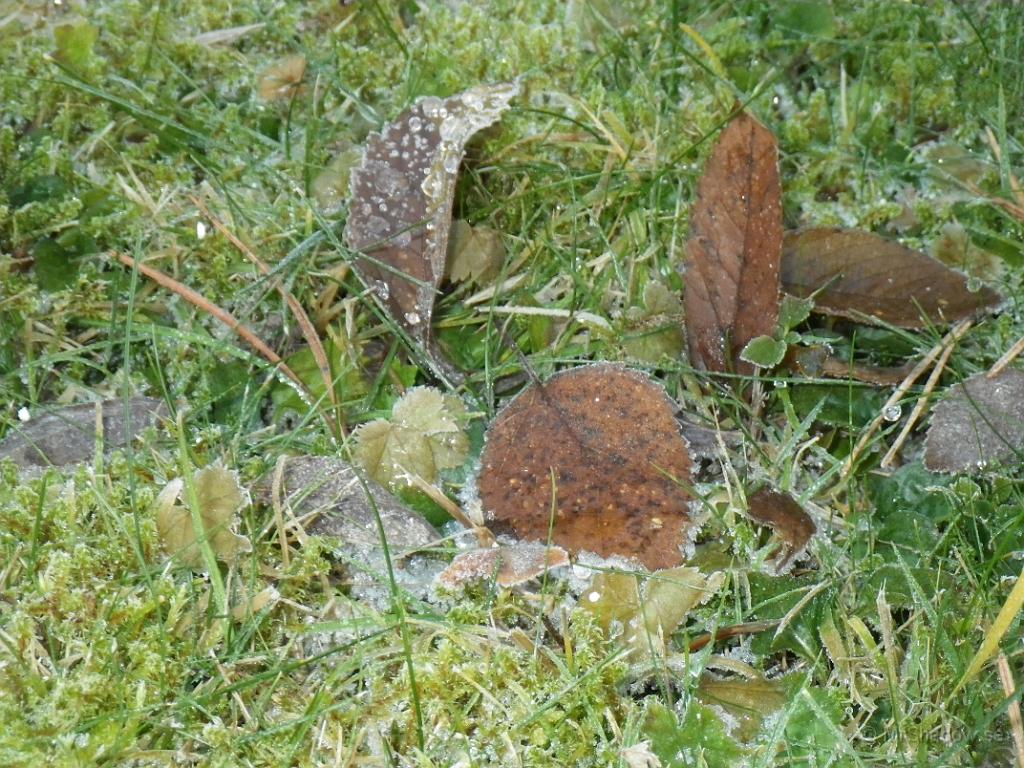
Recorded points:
731,291
424,435
328,490
475,254
282,79
219,497
609,437
979,423
860,274
510,566
785,517
400,208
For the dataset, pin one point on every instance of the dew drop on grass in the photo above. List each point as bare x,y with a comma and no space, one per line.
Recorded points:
892,412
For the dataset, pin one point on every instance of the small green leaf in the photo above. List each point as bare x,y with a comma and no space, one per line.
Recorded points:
793,311
764,351
699,738
75,43
54,266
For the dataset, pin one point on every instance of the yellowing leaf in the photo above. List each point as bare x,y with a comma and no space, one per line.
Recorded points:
423,436
475,254
219,497
650,615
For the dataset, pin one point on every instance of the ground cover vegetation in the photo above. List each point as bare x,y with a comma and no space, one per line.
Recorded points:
183,243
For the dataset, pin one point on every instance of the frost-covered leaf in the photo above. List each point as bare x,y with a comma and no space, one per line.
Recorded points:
654,331
978,424
856,274
749,701
510,565
400,208
732,269
475,254
423,436
219,497
68,435
764,352
698,738
605,439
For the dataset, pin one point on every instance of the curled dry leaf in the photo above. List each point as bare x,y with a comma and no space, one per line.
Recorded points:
731,292
510,566
219,497
423,436
856,274
608,439
400,210
979,423
784,516
68,435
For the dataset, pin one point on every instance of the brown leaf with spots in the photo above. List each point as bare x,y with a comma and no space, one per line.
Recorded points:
855,274
609,437
731,292
400,209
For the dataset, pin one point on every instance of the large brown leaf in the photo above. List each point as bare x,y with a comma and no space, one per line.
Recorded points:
732,270
400,211
610,438
861,274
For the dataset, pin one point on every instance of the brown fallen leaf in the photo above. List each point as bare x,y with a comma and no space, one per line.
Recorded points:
978,424
857,274
608,439
400,208
731,291
510,566
785,517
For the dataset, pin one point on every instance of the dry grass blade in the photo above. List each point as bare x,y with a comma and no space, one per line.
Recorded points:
954,335
308,330
919,406
201,302
1011,354
1013,709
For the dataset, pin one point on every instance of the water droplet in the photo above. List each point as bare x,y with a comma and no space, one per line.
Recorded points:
451,163
892,412
412,318
200,230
